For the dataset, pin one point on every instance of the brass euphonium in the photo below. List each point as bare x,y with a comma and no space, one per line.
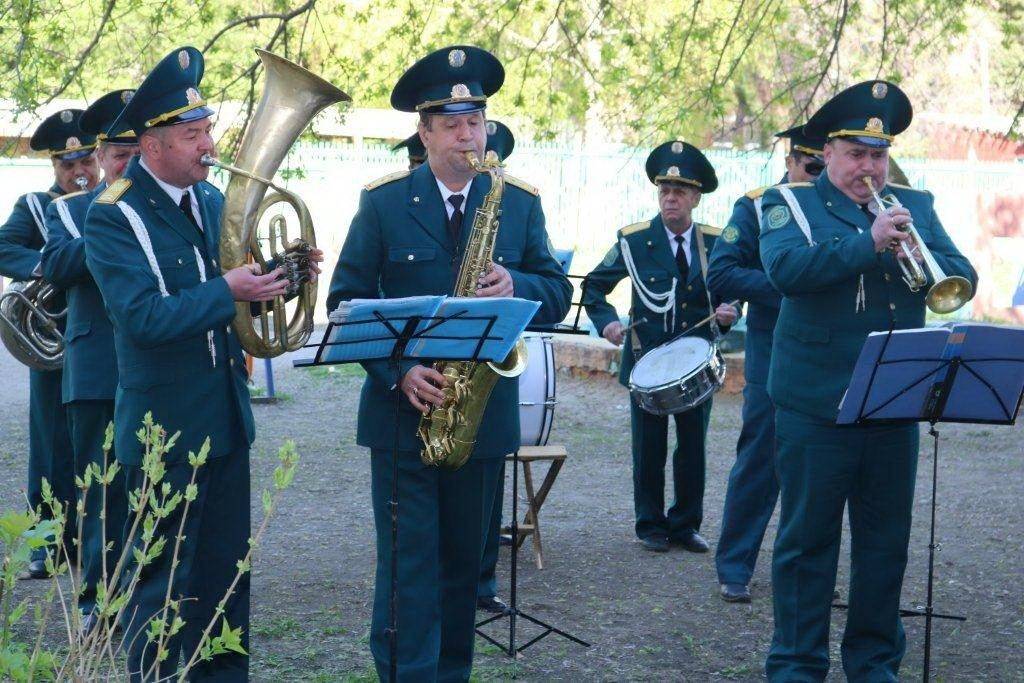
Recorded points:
29,317
949,292
449,430
292,96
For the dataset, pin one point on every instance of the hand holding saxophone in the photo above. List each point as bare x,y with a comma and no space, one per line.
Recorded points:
497,281
422,386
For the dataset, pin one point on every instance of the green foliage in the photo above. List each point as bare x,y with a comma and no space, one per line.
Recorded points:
624,70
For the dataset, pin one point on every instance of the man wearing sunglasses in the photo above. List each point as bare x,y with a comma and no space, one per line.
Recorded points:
735,272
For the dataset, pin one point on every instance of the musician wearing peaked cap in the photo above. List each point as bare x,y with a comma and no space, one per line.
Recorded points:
500,141
152,244
735,272
415,149
408,238
827,247
663,259
90,367
22,237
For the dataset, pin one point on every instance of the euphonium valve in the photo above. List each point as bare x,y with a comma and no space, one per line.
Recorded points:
292,96
949,292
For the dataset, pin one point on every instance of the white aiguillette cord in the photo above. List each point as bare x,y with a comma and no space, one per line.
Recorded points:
668,299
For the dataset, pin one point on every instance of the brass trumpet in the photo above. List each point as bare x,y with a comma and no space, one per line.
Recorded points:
949,292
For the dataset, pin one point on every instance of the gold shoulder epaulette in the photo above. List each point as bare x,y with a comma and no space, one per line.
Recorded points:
710,230
635,227
754,194
114,191
522,185
69,195
905,187
792,185
389,178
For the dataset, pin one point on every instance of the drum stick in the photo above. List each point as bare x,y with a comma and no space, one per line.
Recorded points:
708,319
633,324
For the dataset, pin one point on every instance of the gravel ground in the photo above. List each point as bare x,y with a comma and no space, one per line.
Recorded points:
649,617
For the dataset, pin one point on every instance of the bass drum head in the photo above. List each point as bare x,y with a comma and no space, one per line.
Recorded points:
670,362
537,391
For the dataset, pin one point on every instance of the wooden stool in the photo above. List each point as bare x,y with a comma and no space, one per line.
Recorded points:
535,497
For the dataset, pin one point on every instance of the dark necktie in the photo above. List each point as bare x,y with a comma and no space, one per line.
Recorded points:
185,204
867,212
684,267
455,220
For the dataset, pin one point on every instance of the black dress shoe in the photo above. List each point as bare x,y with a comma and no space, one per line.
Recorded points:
492,604
694,543
734,592
37,570
656,544
505,539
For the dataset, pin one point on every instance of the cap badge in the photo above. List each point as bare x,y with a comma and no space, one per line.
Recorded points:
879,90
192,95
66,116
677,147
456,58
460,90
126,96
673,171
874,125
72,143
492,128
183,59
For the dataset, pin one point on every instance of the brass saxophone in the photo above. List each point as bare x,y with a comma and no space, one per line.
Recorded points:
449,430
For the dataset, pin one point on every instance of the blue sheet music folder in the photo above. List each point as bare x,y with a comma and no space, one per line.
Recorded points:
450,327
969,373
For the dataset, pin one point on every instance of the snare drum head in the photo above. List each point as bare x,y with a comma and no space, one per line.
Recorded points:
670,362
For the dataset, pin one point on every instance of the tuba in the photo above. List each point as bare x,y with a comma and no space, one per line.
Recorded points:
949,292
292,96
30,311
449,430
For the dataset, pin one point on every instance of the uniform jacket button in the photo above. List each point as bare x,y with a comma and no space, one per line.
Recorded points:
232,362
689,288
180,262
500,259
411,257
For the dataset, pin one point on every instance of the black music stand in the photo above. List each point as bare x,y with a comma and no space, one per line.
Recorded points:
974,374
400,331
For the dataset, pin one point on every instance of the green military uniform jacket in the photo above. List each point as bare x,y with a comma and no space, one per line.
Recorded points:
21,237
90,366
656,266
163,352
398,245
821,328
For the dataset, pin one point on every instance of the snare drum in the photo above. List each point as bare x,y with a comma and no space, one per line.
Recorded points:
677,376
537,391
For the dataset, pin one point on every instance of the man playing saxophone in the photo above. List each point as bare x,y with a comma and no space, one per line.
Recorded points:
21,239
151,242
407,238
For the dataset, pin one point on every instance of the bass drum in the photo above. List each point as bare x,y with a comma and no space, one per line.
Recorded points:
537,391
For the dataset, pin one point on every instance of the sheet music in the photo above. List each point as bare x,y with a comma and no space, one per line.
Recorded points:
512,317
367,338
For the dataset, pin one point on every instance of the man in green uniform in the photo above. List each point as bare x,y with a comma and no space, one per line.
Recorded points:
665,259
827,247
414,148
21,239
407,239
735,272
90,366
152,244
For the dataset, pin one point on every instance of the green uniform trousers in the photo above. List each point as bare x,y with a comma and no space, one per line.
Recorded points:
440,533
50,455
822,468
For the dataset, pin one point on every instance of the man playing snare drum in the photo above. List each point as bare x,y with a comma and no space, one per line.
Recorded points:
667,268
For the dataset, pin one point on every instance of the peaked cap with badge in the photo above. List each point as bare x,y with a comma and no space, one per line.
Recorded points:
169,95
99,116
414,146
59,135
500,139
799,140
452,80
872,113
680,162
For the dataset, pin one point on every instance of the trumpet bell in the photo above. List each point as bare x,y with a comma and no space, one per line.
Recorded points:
949,294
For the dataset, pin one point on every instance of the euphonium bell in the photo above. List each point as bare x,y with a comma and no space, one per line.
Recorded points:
949,292
292,96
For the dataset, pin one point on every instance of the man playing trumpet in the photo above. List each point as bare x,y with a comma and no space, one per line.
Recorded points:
828,248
